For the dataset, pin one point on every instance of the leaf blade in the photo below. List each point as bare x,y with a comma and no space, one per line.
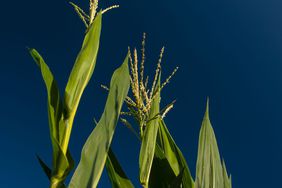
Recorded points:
84,65
148,144
80,75
54,104
209,170
61,164
94,152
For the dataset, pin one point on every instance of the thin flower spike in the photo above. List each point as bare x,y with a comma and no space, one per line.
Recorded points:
143,58
109,8
168,79
82,15
93,9
105,87
158,69
140,105
136,81
88,19
129,126
167,109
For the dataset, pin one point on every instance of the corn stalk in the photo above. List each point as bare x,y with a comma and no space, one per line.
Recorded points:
61,111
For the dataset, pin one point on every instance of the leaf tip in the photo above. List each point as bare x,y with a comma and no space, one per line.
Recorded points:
207,108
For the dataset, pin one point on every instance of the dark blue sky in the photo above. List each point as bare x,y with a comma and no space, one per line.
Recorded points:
228,50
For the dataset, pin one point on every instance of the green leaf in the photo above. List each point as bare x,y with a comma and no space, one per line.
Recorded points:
117,176
209,171
62,163
148,145
54,104
168,149
94,152
81,74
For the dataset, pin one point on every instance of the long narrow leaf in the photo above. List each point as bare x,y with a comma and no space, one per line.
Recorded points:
94,152
147,150
62,163
209,173
81,74
84,65
117,176
54,106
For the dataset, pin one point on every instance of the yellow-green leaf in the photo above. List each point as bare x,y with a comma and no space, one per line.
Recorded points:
209,171
148,145
80,75
54,105
94,152
62,163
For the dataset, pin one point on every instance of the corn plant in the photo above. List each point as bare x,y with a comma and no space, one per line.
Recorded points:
61,112
161,163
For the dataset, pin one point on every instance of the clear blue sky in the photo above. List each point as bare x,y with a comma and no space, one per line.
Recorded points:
228,50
